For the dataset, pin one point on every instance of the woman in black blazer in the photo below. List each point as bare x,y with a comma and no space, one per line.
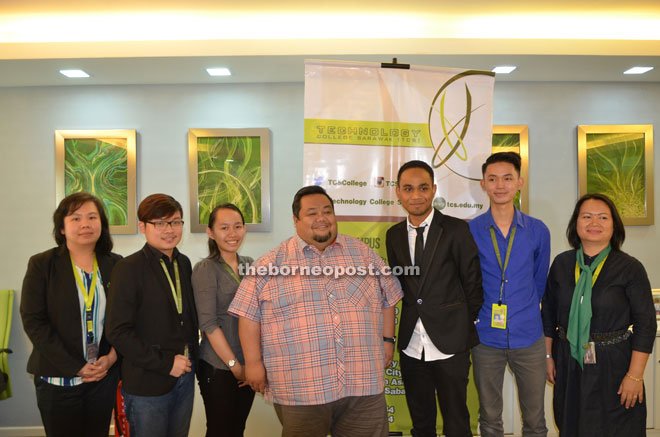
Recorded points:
63,310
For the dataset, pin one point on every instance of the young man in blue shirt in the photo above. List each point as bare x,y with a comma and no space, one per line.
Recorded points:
514,253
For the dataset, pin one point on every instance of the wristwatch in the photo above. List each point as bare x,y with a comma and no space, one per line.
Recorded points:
389,339
231,363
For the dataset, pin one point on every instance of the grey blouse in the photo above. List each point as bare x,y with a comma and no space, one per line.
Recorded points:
214,289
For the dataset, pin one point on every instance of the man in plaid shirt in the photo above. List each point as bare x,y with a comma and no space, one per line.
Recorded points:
317,326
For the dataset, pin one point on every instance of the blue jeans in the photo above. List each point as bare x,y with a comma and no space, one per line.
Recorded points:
167,415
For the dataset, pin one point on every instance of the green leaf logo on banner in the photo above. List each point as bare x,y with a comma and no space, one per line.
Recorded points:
448,148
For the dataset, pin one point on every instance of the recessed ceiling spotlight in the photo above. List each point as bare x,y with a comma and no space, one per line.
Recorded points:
638,70
74,73
504,69
220,71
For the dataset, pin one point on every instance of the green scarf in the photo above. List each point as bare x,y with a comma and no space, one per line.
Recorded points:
579,319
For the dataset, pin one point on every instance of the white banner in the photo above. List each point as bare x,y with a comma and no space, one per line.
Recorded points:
362,122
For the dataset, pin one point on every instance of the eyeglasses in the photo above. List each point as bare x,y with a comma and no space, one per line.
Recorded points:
161,225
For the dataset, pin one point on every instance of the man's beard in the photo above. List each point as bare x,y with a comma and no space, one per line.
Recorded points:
322,238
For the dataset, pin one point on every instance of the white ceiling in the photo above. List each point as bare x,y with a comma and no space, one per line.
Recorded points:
172,41
246,69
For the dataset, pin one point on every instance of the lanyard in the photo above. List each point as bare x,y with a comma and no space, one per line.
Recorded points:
231,271
499,257
176,292
88,295
594,276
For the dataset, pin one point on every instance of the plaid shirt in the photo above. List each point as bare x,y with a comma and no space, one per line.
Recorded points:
322,337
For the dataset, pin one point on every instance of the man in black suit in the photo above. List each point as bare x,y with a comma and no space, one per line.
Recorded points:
440,305
152,322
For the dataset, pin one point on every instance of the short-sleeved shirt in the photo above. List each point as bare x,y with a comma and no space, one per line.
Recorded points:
321,334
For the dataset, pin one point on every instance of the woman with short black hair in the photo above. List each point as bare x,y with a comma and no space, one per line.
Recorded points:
594,293
63,305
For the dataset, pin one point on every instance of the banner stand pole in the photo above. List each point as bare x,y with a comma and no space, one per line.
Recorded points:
394,64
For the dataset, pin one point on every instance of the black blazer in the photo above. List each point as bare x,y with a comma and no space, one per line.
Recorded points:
448,295
50,310
143,324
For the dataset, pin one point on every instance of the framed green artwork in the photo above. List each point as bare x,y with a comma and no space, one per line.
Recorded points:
617,160
515,138
230,165
100,162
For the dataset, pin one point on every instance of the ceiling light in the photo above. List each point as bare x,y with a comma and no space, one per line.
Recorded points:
74,73
638,70
504,69
221,71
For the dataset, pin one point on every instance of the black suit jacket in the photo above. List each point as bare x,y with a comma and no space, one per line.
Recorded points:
143,324
50,310
448,295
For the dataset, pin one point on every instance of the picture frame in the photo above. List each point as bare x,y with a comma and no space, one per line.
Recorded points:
656,302
230,165
103,163
617,160
515,138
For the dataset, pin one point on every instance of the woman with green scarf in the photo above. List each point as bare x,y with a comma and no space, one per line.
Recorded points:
595,293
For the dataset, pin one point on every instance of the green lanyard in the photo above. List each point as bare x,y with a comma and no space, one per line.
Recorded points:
499,257
176,292
88,294
231,271
596,272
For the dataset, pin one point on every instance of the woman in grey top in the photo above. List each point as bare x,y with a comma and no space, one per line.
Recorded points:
221,375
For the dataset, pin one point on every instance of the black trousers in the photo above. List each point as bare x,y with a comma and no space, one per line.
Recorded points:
446,379
226,404
80,411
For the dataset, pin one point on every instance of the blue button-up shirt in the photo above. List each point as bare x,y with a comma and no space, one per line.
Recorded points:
525,278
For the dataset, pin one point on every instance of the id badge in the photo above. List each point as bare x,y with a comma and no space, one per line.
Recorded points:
499,316
92,352
590,353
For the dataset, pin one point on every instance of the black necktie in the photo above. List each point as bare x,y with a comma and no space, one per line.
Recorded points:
419,246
